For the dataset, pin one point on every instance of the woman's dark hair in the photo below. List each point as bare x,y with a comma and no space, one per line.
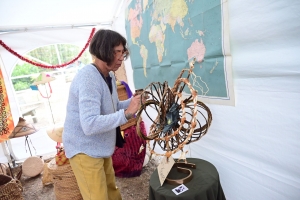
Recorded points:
103,43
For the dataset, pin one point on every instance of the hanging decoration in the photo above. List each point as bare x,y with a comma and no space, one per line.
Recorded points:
43,78
24,129
48,66
6,120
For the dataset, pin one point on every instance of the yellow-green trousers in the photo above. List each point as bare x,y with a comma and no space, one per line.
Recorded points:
95,177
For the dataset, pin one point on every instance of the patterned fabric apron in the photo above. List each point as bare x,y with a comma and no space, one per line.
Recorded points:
6,120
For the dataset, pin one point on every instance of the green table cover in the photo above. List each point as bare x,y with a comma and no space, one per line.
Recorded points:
205,184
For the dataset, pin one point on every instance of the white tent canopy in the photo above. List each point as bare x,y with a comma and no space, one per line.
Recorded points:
254,144
35,13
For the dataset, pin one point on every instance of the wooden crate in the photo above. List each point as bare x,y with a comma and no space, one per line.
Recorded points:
122,94
131,122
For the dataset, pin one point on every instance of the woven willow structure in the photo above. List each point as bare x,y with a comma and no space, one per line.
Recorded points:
181,118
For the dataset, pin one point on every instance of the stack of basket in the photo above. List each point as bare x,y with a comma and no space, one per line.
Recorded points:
10,188
122,94
65,184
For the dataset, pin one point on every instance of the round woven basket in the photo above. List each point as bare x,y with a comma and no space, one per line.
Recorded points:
10,189
65,184
32,166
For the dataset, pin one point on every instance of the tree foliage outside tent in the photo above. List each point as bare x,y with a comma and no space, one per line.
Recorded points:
46,54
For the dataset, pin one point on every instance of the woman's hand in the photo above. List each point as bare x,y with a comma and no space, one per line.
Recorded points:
134,106
144,97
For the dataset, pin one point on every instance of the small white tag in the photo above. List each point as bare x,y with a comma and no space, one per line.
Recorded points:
164,168
180,189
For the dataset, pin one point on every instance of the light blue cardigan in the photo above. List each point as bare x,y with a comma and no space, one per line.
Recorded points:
90,124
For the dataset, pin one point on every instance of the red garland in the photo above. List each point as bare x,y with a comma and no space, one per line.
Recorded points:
47,66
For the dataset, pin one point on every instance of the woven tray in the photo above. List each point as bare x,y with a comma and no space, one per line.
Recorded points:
131,122
32,166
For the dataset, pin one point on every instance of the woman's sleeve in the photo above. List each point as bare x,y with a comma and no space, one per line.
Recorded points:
124,104
91,118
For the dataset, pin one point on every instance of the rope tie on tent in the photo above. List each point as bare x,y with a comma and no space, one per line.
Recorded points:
47,66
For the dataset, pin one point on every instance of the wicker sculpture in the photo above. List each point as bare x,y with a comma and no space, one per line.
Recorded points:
180,119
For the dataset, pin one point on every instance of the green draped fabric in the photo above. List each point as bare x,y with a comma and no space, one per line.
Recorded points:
205,184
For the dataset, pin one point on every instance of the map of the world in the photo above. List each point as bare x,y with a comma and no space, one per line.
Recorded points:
165,35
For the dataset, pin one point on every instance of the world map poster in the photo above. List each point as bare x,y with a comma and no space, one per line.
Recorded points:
164,36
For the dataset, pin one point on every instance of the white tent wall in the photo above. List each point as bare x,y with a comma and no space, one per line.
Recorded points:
119,25
255,144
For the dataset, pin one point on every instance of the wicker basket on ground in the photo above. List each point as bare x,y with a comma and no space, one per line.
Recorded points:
10,189
47,177
65,184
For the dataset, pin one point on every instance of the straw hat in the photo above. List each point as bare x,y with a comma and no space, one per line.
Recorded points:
55,133
43,78
22,129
